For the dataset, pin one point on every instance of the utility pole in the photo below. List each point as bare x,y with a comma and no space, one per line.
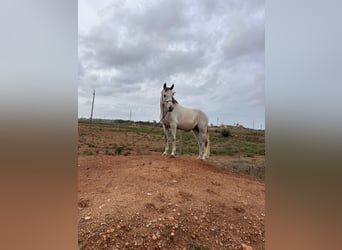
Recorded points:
92,108
239,146
253,124
130,115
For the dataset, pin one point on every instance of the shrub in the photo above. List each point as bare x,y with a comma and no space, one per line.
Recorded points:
225,132
107,152
118,150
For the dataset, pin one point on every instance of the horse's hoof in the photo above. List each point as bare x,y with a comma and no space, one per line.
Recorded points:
172,156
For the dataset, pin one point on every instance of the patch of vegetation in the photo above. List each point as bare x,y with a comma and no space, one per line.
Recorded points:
138,149
87,152
259,172
224,151
118,150
91,145
225,133
158,149
107,152
197,246
253,168
82,245
249,154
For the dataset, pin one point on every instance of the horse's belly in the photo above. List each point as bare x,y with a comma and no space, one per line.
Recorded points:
185,127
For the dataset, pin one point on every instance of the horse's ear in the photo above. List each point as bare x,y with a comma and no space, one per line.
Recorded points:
164,85
172,86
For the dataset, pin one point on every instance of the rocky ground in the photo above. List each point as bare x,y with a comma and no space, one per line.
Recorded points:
155,202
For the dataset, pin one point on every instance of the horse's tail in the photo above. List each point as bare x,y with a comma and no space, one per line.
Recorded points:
207,148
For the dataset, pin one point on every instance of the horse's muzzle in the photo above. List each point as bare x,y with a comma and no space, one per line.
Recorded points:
170,109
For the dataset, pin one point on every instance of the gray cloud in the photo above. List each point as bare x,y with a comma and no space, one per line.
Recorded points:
247,41
211,50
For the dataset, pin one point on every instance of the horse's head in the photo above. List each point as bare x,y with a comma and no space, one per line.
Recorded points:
167,97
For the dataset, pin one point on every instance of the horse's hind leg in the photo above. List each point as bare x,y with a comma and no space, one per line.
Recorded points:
197,135
203,144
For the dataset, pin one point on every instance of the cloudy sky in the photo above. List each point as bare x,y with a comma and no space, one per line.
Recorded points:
212,50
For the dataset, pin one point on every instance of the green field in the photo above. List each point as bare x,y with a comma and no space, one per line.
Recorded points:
244,148
246,142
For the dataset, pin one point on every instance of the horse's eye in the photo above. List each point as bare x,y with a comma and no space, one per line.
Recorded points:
164,96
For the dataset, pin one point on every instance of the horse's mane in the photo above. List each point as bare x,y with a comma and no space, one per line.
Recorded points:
174,101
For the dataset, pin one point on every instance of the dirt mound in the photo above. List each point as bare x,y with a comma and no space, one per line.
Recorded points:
154,202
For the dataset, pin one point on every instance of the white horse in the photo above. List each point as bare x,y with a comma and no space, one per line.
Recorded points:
174,116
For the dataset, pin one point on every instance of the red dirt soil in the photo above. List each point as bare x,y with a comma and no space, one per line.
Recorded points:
157,202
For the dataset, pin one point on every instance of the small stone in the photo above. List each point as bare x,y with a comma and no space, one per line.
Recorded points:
172,234
246,247
149,194
87,218
154,237
178,214
195,217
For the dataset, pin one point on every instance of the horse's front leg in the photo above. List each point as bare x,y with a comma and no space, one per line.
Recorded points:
173,132
166,136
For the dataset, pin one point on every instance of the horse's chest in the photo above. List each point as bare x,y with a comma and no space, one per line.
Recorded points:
166,124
